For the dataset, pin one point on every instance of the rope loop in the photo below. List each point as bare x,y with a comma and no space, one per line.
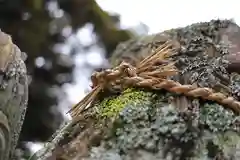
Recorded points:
153,73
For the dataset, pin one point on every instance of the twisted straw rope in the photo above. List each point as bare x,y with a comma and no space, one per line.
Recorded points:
152,72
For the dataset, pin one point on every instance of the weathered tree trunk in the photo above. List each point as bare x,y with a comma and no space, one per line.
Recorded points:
143,124
13,95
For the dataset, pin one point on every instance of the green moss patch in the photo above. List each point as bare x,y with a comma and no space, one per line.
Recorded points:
110,107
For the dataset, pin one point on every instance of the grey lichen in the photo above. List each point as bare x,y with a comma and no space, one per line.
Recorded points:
217,118
154,127
159,129
235,85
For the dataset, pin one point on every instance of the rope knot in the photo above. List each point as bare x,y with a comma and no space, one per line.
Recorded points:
113,76
128,70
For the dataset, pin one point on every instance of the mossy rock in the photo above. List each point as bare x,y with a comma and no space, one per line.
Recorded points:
151,125
144,124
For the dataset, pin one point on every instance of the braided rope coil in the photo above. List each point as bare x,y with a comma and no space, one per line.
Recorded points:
152,72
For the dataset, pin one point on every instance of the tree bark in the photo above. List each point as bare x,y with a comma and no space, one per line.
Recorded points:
143,124
13,95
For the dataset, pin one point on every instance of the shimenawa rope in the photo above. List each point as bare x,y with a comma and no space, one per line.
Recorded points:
152,73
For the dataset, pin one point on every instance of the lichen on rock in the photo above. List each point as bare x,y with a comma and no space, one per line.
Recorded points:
159,131
143,124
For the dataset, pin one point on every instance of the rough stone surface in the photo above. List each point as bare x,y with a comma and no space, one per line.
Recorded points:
157,125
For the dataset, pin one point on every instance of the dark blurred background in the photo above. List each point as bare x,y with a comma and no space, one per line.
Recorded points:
48,31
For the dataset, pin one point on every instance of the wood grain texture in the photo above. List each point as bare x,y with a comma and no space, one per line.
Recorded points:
13,95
